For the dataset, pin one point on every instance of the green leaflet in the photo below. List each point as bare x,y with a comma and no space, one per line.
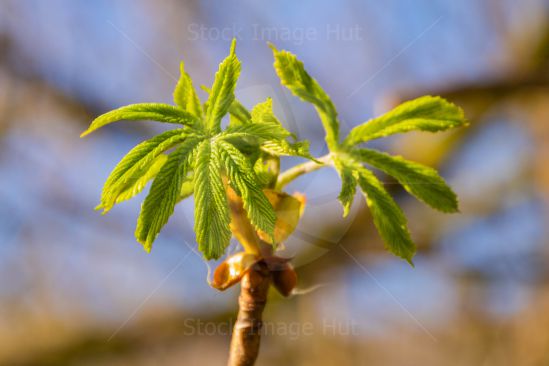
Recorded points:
239,114
143,111
424,114
211,210
265,127
160,202
136,164
388,217
184,94
139,181
292,74
222,94
419,180
267,168
241,126
348,185
187,189
285,148
263,113
261,131
245,183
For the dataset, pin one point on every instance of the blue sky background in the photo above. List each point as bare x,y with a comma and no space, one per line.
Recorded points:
58,256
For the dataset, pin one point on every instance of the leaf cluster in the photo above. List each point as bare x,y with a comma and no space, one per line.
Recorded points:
353,162
200,158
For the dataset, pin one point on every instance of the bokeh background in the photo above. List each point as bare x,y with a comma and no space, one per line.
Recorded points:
75,287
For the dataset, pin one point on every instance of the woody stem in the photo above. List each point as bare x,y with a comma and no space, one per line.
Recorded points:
246,333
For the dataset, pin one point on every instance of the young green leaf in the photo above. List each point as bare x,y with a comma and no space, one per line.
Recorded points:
427,113
263,123
184,94
388,217
260,131
187,188
160,202
419,180
292,74
285,148
245,183
144,111
222,94
239,114
211,210
348,185
137,183
267,169
263,113
135,165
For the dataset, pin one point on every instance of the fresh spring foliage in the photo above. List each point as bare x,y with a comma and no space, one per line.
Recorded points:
424,114
199,157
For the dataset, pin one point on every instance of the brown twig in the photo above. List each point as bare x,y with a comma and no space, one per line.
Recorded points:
246,333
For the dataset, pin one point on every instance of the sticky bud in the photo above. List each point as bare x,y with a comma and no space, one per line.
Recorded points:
231,270
284,279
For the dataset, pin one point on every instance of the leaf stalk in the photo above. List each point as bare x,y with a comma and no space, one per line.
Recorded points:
295,172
